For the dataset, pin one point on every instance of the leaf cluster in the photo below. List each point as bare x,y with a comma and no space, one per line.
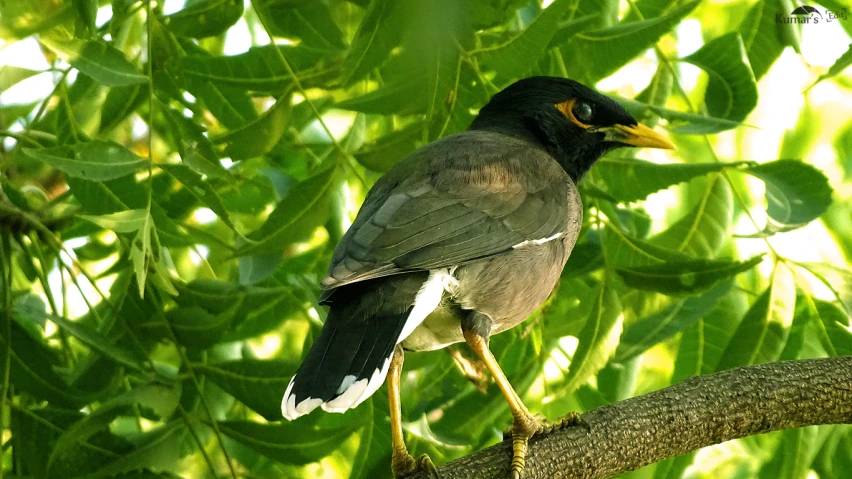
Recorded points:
169,208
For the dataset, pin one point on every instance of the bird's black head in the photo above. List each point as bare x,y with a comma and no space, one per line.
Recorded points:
574,123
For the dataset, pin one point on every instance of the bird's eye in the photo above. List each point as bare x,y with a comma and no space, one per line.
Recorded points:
583,111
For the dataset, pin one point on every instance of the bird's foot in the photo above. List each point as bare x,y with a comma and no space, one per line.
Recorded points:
404,465
526,426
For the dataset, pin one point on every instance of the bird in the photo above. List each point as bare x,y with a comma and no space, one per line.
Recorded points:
463,238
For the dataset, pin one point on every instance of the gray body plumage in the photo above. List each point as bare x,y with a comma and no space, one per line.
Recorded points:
475,222
499,213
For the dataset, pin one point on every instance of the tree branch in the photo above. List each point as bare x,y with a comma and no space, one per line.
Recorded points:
698,412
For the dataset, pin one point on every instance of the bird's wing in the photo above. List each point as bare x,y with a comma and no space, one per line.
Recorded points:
481,201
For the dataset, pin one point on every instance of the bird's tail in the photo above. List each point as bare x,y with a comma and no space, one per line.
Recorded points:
349,360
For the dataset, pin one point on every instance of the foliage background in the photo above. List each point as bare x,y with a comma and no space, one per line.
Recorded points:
173,186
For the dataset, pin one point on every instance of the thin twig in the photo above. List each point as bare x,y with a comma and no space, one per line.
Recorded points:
349,159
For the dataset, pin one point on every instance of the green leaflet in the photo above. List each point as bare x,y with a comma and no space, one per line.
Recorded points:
732,90
259,384
764,330
796,193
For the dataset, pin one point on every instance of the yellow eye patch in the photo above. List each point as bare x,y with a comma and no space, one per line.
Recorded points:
567,109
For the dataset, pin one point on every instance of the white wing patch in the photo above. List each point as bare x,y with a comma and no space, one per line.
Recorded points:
427,299
353,391
538,241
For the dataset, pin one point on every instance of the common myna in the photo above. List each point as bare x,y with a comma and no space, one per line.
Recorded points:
462,239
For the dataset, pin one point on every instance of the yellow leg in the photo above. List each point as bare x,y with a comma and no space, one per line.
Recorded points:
524,424
402,463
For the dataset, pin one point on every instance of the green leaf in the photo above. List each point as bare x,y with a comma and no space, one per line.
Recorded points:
87,12
834,328
297,215
519,53
230,105
202,190
374,449
205,18
393,99
567,29
732,90
125,193
623,251
120,102
802,315
196,150
705,228
629,179
388,150
763,39
794,456
685,277
97,59
126,221
800,139
289,442
261,309
257,136
837,278
597,340
762,334
432,53
673,467
657,94
97,341
214,295
681,122
842,144
14,112
194,327
159,449
378,34
31,370
702,344
596,54
260,68
96,160
160,398
11,75
259,384
839,65
641,335
140,252
264,311
35,431
796,193
309,22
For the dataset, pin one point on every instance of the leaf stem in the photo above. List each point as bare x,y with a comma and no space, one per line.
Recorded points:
188,421
349,159
6,318
194,378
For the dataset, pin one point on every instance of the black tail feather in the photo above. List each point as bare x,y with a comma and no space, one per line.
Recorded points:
349,359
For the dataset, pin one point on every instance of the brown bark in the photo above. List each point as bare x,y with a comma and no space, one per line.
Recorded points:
698,412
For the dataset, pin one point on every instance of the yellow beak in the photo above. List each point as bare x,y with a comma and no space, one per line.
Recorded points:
638,135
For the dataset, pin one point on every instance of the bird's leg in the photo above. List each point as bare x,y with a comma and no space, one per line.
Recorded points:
476,328
402,463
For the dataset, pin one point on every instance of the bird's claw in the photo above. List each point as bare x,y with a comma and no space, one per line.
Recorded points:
525,427
404,465
545,426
